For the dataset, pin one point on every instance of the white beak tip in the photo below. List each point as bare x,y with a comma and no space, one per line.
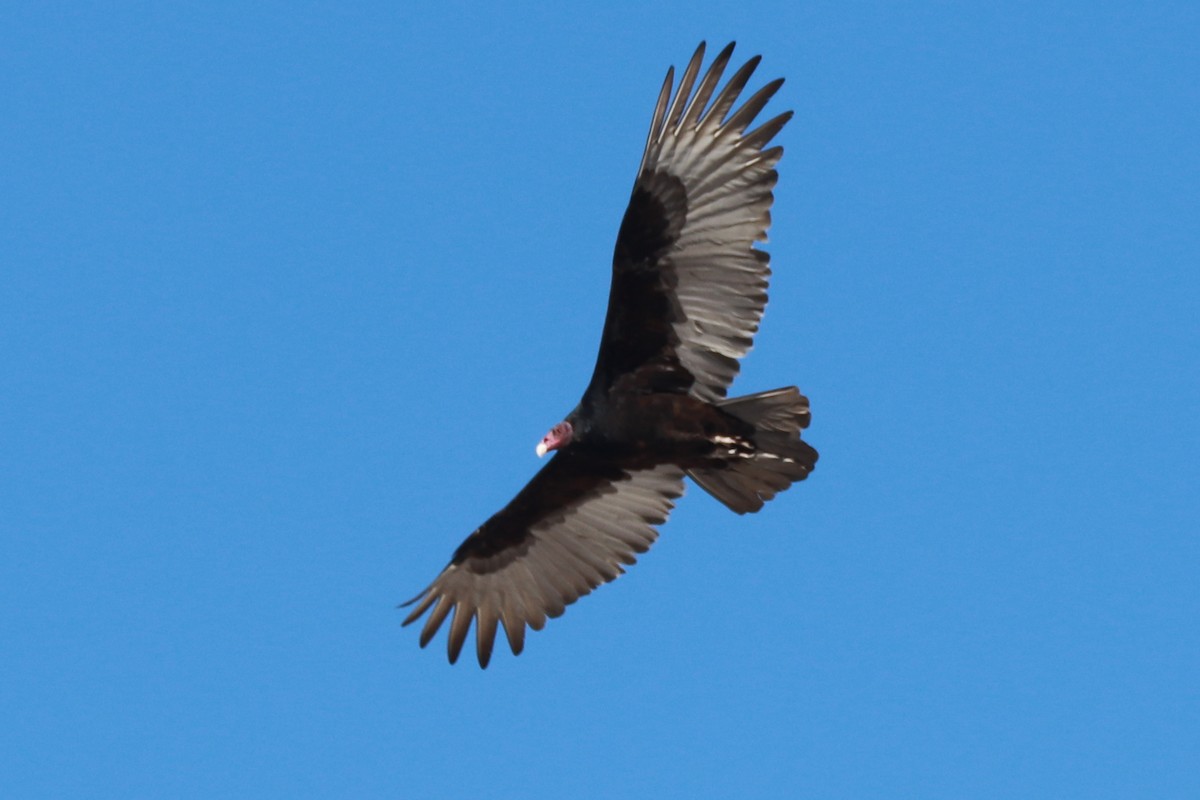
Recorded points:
541,449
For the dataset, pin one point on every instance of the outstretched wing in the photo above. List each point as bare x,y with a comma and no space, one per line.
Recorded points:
568,531
688,287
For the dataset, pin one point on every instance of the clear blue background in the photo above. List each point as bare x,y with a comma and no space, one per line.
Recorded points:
288,294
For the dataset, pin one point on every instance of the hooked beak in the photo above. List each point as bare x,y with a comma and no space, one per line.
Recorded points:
542,449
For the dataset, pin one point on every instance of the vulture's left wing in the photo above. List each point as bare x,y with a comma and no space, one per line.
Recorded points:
688,286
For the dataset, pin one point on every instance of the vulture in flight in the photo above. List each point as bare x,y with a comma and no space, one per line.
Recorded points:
688,291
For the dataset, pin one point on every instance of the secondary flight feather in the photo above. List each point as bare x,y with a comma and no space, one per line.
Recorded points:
688,291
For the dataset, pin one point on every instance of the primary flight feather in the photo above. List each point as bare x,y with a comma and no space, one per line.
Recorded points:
688,292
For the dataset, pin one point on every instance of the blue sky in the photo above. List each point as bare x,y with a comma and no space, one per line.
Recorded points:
288,295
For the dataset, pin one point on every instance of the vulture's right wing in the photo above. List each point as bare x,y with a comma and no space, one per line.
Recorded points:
568,531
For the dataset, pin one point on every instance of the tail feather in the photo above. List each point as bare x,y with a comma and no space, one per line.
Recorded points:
780,457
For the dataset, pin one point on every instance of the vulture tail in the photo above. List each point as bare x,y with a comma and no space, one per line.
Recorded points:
779,457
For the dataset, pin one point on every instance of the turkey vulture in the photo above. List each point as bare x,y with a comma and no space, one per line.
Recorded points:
688,291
